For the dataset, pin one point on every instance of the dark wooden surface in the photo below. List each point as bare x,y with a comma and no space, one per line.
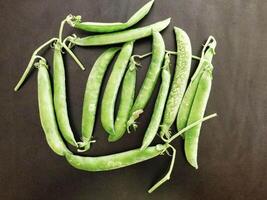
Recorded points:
232,151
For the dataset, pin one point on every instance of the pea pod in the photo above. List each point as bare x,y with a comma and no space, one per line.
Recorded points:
114,161
112,88
120,37
206,58
159,105
197,112
75,21
152,75
126,102
91,95
180,79
46,111
60,96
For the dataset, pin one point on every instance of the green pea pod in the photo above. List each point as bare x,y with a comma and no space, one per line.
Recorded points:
159,105
180,79
114,161
120,37
60,103
126,102
91,95
112,88
206,58
197,112
46,111
75,21
152,75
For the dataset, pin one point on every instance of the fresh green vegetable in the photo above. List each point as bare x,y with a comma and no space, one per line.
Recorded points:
75,21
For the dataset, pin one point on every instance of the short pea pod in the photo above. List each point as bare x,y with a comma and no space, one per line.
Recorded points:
121,36
91,95
46,111
126,101
206,58
114,161
75,21
152,75
180,79
60,103
159,105
197,112
112,87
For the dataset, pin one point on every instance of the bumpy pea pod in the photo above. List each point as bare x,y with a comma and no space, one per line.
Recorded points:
121,36
180,79
112,88
159,105
158,50
206,58
75,21
91,95
126,101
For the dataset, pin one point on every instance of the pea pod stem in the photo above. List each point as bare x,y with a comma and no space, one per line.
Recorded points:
31,62
175,53
210,44
168,175
188,127
72,55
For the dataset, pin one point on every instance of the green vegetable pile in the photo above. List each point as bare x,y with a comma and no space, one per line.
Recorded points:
179,98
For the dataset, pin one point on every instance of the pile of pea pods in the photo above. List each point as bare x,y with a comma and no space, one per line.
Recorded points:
179,98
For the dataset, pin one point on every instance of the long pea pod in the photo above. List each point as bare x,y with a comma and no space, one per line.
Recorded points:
127,158
114,161
180,79
159,105
200,98
186,104
112,87
75,21
91,95
60,103
152,75
197,112
121,36
46,111
126,101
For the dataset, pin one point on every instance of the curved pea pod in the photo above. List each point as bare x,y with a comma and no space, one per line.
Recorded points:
46,111
126,102
112,88
75,21
197,112
91,95
152,75
159,105
114,161
121,36
184,110
60,103
180,79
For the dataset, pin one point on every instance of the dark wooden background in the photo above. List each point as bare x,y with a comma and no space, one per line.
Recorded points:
233,147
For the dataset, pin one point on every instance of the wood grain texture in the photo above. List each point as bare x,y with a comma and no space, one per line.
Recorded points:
232,151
